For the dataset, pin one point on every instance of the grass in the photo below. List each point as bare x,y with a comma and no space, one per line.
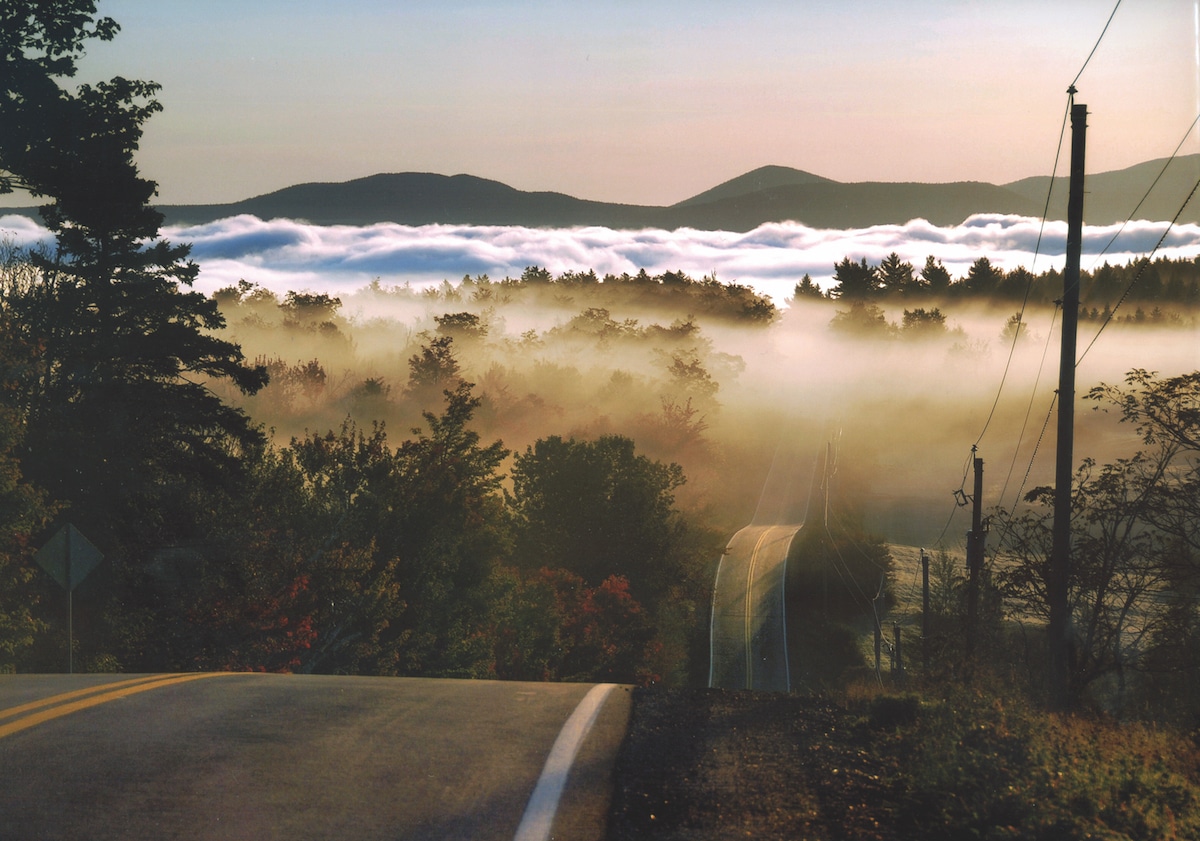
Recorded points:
976,765
971,758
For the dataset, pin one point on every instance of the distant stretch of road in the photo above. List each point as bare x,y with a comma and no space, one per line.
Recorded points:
244,756
749,627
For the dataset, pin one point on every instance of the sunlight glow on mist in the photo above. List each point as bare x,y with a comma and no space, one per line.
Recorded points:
284,255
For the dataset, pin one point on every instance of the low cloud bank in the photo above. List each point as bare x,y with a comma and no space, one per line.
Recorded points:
284,255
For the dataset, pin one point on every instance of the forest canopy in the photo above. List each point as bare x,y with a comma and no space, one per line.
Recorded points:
574,449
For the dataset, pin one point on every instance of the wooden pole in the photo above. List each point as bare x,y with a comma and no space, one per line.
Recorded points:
924,610
878,649
898,659
878,627
1060,555
975,558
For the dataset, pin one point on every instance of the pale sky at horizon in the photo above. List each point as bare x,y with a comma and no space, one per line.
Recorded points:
643,102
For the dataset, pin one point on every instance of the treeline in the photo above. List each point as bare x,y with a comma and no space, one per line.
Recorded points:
1140,284
669,292
589,370
342,550
1133,582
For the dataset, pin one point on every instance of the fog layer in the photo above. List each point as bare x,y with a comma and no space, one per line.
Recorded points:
721,397
284,255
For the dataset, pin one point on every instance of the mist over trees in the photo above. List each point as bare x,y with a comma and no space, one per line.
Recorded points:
1170,288
581,548
526,478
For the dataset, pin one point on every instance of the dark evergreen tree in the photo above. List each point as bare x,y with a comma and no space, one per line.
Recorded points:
854,281
1104,287
1015,284
922,323
118,408
896,277
23,510
864,320
807,289
432,371
119,423
982,280
934,278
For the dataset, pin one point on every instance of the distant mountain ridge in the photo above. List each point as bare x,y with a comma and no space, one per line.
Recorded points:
1112,196
416,198
756,181
766,194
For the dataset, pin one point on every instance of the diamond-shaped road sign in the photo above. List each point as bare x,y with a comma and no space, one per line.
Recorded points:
68,557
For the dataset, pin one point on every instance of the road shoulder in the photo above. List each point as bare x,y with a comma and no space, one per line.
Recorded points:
587,799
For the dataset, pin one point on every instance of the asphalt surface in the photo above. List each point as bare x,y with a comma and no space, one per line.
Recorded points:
244,756
749,633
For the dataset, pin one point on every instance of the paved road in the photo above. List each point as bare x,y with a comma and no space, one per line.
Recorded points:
243,756
749,636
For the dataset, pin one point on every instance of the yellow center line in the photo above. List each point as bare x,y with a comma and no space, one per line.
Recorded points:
96,700
87,690
749,603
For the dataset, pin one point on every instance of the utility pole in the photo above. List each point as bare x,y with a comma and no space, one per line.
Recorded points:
897,656
1060,555
878,644
825,568
975,545
924,611
875,605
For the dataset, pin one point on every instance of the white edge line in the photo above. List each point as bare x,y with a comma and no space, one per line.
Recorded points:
787,663
712,620
538,819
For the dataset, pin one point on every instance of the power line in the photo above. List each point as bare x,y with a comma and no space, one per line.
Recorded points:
946,527
1036,447
1032,458
1098,40
1037,248
1154,184
959,492
1062,132
1029,408
1140,271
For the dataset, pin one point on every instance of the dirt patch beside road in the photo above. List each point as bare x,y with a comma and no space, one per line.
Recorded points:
709,763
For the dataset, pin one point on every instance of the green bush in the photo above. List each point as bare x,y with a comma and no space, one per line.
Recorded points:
973,767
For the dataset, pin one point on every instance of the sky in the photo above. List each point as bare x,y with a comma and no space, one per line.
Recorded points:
644,101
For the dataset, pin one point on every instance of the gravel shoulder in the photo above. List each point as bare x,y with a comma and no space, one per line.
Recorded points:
703,764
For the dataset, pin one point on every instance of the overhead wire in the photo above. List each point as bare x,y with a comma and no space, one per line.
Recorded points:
840,566
1028,286
1020,319
1029,408
1045,212
845,567
1097,44
1037,248
1037,446
1111,315
1141,270
957,505
1041,229
1149,190
844,527
1028,470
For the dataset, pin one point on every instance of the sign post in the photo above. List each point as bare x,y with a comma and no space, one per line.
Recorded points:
69,556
